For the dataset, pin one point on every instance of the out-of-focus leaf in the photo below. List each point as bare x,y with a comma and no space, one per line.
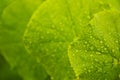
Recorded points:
13,23
6,73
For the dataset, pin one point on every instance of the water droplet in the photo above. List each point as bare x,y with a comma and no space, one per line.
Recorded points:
92,67
99,69
92,63
60,42
86,42
88,45
113,50
30,42
52,78
80,50
46,50
88,17
53,55
101,42
106,61
80,20
76,51
89,70
91,36
102,47
116,41
53,26
73,54
102,51
42,37
104,39
84,46
115,62
38,60
98,53
106,79
91,47
78,78
55,50
60,23
65,18
105,49
85,50
85,69
86,12
0,22
48,32
117,48
61,29
55,37
91,55
96,60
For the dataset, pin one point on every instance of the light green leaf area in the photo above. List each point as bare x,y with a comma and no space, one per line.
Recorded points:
13,23
96,55
6,73
53,27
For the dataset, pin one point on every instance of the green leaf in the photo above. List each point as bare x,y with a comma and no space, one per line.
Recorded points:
6,73
13,24
45,39
53,27
96,55
4,4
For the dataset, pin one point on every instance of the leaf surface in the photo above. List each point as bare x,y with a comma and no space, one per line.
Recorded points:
96,55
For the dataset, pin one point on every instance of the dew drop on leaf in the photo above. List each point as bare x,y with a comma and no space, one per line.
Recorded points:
86,51
99,69
89,70
73,54
76,51
38,60
85,69
98,53
119,75
48,32
101,42
91,48
61,29
53,26
113,50
42,37
96,60
91,37
88,17
116,41
86,42
106,79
